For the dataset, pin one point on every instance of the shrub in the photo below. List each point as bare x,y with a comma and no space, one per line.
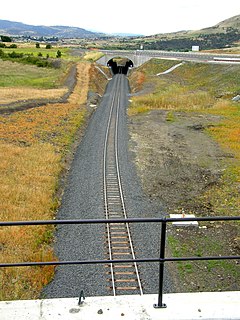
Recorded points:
13,46
15,55
59,54
6,39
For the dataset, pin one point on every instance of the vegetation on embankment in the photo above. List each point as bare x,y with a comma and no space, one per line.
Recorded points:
93,56
20,82
203,89
34,147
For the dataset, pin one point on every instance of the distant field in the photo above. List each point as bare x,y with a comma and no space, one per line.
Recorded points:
31,49
15,74
23,82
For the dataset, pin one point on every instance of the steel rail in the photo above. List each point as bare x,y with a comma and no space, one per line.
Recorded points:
112,135
105,189
122,200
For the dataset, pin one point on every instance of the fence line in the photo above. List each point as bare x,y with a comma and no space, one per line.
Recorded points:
161,260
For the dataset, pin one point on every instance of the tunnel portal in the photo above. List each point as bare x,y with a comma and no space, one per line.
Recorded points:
120,65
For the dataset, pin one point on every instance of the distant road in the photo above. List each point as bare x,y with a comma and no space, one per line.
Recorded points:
199,56
187,56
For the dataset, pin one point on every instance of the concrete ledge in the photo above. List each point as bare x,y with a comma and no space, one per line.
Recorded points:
180,306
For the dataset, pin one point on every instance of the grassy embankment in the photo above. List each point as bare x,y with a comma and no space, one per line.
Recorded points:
33,148
206,89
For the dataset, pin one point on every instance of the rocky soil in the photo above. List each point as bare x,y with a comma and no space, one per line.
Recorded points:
177,161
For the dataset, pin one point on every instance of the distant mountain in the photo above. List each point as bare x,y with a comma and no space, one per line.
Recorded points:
125,35
12,28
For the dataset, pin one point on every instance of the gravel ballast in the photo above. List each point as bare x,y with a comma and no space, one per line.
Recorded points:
83,199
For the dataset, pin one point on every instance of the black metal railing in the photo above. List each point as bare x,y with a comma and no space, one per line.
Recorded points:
162,259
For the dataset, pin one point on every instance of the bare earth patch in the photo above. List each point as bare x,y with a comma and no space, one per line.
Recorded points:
178,162
176,159
9,95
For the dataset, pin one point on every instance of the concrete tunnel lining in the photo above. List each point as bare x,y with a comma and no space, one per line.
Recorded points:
120,64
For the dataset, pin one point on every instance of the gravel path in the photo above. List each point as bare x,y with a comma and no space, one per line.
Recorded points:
83,199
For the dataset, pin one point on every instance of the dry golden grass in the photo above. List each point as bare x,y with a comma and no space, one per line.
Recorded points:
32,146
174,99
9,95
93,55
28,181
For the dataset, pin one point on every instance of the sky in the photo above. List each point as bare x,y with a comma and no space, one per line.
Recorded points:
137,16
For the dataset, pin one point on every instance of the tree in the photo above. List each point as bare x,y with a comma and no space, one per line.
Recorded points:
6,39
59,54
37,45
48,46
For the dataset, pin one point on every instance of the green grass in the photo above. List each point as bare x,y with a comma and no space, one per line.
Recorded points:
193,86
35,51
170,117
218,80
15,74
155,66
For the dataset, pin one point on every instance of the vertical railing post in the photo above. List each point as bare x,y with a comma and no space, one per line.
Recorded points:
160,303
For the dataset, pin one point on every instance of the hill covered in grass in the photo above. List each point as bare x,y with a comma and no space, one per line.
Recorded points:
223,35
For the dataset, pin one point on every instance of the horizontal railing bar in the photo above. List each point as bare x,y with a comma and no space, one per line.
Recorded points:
84,262
105,221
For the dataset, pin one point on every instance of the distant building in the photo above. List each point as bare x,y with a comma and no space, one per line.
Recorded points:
195,48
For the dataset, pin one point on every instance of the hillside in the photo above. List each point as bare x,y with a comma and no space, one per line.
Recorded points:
225,34
225,26
12,28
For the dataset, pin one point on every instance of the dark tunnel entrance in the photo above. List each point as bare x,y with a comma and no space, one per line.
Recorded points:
120,65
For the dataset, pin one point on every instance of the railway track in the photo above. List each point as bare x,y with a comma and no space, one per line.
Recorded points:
123,278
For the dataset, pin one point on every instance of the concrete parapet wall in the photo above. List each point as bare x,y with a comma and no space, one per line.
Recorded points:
180,306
